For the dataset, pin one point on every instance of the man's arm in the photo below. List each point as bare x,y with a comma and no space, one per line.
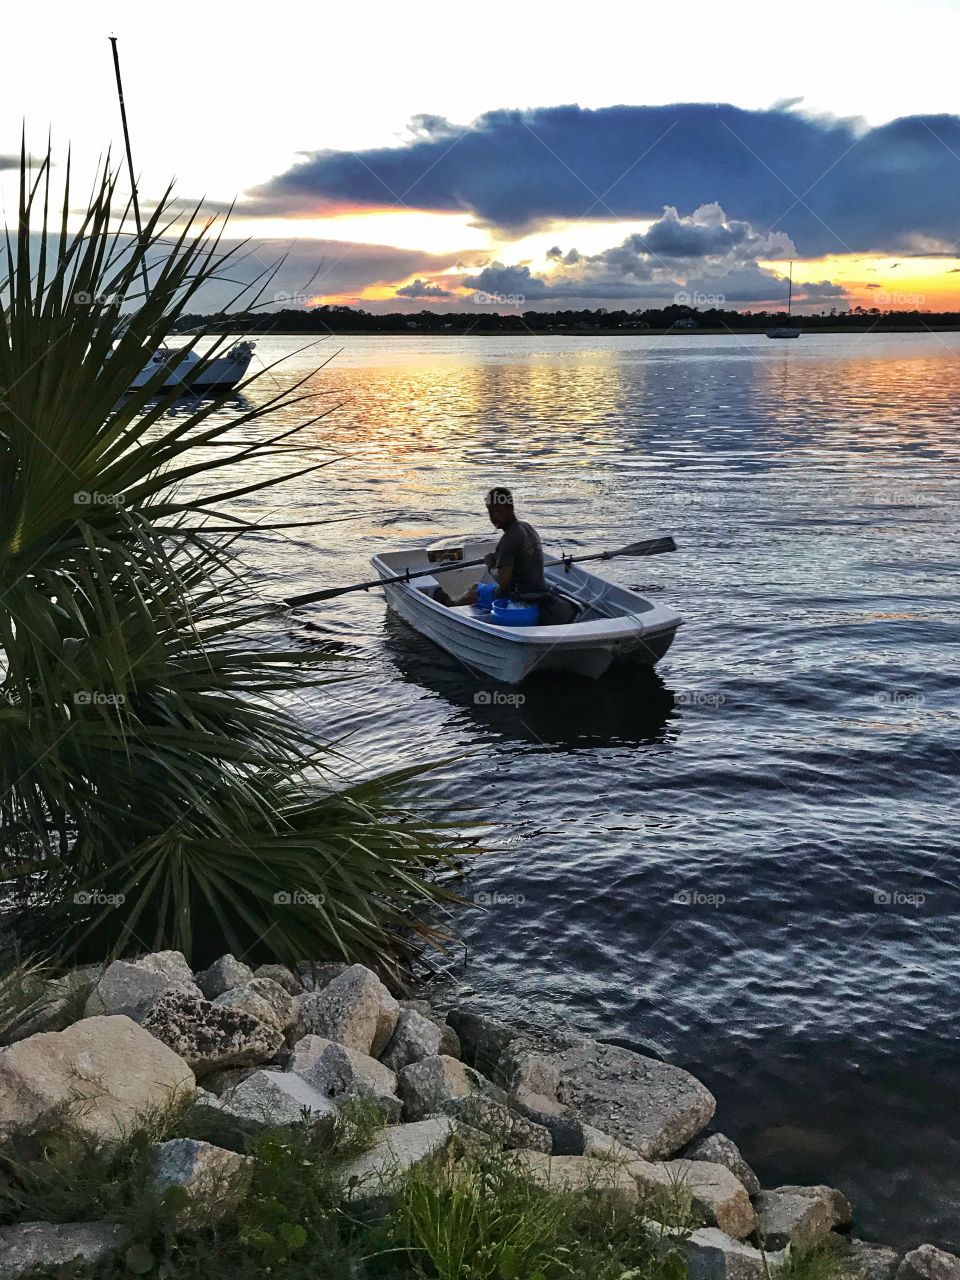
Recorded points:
503,560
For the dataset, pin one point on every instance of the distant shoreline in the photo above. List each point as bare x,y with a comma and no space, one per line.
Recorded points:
532,332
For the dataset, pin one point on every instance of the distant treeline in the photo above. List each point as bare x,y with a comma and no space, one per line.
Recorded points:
342,319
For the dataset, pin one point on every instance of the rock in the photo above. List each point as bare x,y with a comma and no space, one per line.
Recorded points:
804,1215
314,975
602,1147
929,1263
282,976
264,1100
131,987
565,1130
208,1036
340,1073
263,999
482,1038
713,1255
507,1128
426,1086
581,1174
221,1082
354,1008
223,975
104,1072
716,1193
864,1261
450,1042
717,1148
214,1180
650,1106
414,1038
41,1246
374,1175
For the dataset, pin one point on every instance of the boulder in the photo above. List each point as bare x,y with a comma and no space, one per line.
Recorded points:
716,1193
264,1100
42,1246
602,1147
414,1038
314,975
507,1128
103,1074
263,999
221,1082
581,1174
803,1215
223,975
650,1106
717,1148
376,1173
340,1073
713,1255
354,1008
208,1036
864,1261
282,976
565,1130
427,1086
929,1263
212,1179
131,987
450,1041
482,1037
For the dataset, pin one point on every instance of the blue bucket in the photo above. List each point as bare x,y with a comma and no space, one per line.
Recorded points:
485,592
515,613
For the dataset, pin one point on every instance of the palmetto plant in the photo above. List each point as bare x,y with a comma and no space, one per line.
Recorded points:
153,790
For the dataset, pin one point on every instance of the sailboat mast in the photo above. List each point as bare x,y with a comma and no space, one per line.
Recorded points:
133,181
790,294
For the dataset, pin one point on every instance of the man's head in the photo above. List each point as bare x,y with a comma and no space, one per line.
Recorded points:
500,506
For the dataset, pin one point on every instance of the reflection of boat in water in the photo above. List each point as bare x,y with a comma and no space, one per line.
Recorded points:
220,374
610,622
631,706
785,330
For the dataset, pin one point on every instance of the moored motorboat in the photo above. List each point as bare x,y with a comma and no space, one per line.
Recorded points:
612,623
220,374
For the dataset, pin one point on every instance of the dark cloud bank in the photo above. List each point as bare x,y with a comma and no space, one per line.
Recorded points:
832,185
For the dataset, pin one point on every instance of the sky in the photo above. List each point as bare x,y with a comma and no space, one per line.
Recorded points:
529,155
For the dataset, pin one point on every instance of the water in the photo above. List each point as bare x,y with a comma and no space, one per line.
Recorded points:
746,861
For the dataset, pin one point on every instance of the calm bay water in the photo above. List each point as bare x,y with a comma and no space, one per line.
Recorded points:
747,860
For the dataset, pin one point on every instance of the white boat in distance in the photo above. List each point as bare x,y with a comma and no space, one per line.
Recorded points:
785,330
613,624
221,374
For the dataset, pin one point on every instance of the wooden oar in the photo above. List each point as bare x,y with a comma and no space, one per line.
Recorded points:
650,547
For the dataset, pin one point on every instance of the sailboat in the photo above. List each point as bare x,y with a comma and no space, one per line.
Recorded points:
784,330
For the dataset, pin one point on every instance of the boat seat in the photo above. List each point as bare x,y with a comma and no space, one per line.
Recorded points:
427,584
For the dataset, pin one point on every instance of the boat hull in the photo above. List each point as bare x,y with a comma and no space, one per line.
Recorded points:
642,633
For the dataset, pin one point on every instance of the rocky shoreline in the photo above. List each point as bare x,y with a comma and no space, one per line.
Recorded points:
244,1050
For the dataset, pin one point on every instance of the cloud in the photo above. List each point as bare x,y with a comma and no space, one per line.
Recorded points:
704,257
832,185
421,289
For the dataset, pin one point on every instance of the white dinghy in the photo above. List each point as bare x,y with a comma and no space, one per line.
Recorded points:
612,624
221,374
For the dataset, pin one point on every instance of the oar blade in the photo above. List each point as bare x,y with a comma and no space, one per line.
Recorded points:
648,547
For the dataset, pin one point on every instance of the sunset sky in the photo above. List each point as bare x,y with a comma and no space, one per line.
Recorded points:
532,155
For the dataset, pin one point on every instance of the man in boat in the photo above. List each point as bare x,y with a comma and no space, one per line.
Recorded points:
516,565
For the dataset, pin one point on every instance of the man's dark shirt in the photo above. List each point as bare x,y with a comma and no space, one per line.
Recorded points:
519,549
